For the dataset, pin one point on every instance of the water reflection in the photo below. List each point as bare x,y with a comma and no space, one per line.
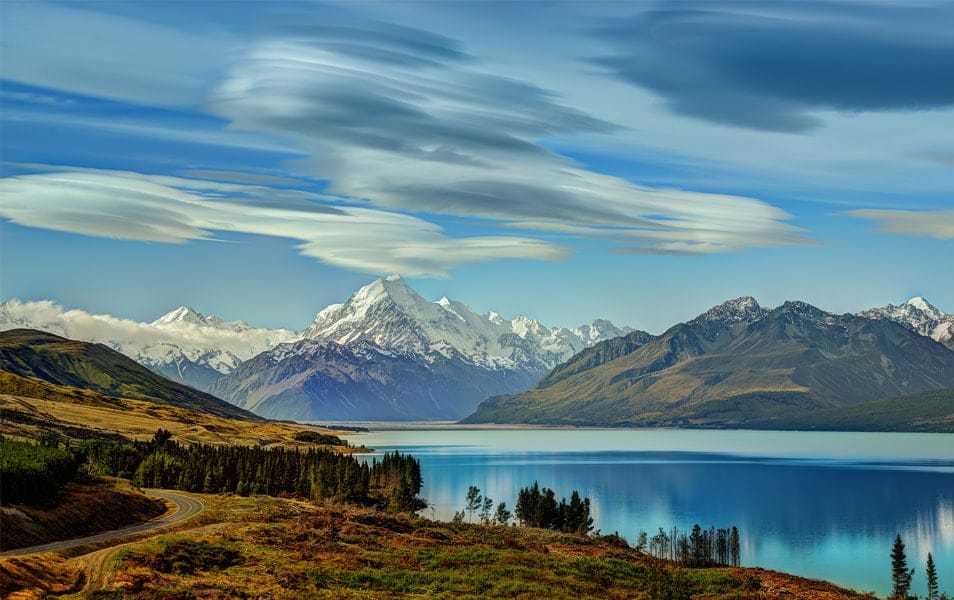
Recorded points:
833,518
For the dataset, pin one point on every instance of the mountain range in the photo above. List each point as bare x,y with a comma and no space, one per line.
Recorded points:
739,363
182,345
386,353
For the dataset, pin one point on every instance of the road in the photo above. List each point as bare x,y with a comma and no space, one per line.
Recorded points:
186,508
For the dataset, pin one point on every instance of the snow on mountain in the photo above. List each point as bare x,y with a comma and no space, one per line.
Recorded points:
917,314
182,344
392,315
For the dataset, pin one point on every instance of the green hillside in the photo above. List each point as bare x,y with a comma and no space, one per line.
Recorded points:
44,356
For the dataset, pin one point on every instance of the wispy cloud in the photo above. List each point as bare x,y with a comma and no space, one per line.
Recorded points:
924,223
125,205
774,66
418,128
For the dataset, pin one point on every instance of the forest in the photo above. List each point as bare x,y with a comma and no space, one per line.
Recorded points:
33,473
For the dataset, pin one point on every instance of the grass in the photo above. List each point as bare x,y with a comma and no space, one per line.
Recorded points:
30,407
281,549
82,508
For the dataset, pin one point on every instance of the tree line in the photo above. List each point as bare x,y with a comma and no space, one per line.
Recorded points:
32,472
697,548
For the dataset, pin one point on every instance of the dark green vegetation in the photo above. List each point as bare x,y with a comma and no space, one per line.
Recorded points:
34,473
50,358
539,508
322,439
926,412
317,474
739,365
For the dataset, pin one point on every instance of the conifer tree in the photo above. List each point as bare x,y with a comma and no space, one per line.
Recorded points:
900,575
931,571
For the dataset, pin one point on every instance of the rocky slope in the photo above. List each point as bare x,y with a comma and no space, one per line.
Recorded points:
734,364
917,314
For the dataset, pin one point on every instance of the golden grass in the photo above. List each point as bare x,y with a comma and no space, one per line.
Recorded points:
29,407
292,549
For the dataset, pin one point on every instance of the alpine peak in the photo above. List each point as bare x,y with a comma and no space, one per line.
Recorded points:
183,314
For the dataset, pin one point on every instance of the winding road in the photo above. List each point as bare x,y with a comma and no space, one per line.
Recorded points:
186,508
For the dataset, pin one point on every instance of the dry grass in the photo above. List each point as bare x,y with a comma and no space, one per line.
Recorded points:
81,508
284,549
29,408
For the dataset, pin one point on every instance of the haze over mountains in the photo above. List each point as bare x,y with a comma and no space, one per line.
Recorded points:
388,354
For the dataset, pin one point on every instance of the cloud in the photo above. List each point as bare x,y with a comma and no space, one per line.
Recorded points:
438,136
773,66
924,223
126,205
137,339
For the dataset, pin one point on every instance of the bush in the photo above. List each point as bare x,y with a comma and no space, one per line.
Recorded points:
187,557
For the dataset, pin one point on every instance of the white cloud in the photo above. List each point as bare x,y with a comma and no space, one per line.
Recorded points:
143,341
127,205
442,137
922,223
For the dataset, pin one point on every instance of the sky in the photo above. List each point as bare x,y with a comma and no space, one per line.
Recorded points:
636,161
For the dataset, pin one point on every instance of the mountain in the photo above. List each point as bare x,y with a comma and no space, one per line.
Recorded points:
389,354
183,344
736,363
917,314
931,411
61,361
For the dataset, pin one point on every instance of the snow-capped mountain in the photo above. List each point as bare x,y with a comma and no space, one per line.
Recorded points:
182,344
391,315
387,353
917,314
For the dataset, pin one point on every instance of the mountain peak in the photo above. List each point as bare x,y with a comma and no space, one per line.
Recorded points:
740,310
183,314
922,304
393,277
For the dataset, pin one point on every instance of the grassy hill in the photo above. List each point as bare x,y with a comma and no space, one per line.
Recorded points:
50,358
286,549
30,408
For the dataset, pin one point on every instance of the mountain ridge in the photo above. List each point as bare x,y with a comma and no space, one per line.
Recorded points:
795,356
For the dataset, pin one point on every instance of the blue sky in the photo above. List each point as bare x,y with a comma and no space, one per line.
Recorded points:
635,161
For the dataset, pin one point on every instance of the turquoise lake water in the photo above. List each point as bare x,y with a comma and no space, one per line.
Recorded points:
824,505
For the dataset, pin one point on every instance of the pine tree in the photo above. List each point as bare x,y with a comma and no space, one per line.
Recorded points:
502,515
931,571
900,575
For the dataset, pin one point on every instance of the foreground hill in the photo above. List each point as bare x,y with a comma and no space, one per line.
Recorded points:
331,551
736,364
32,409
50,358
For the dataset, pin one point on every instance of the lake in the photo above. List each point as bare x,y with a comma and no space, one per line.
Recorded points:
818,504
